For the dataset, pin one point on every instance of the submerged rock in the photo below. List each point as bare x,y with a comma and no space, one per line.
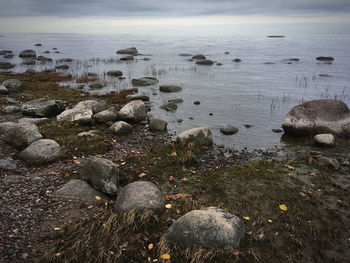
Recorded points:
115,73
145,81
170,106
318,116
28,53
210,227
328,162
200,136
169,88
101,173
128,51
140,195
127,58
179,100
41,151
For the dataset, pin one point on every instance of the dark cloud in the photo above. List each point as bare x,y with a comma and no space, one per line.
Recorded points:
167,8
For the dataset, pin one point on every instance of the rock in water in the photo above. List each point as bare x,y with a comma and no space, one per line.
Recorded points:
228,130
145,81
325,58
41,151
79,190
6,65
127,58
13,85
205,62
128,51
157,124
325,140
21,135
211,227
101,173
200,136
133,111
169,88
168,106
120,127
115,73
43,107
142,97
199,56
318,116
28,53
140,195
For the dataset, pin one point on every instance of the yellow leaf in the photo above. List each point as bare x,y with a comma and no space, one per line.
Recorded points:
15,230
115,141
174,154
148,259
178,211
57,228
57,254
133,151
165,256
246,218
142,175
270,221
150,246
20,215
97,197
283,207
168,206
112,253
10,236
67,175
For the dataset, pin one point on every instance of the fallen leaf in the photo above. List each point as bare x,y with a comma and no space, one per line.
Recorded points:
37,201
57,254
178,211
168,206
56,228
283,207
165,256
174,154
270,221
15,230
97,197
67,175
123,163
76,161
112,252
171,178
246,218
11,236
150,246
141,175
289,167
184,179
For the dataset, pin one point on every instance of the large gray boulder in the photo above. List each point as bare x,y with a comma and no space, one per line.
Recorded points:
142,97
106,116
43,107
6,126
21,135
101,173
128,51
169,88
11,109
28,53
140,195
120,128
156,124
41,151
12,85
35,121
133,111
200,136
79,190
115,73
211,227
318,116
82,112
93,105
145,81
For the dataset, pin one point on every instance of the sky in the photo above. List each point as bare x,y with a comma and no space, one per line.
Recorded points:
175,17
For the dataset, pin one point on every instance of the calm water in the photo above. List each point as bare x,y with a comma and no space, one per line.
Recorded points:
250,92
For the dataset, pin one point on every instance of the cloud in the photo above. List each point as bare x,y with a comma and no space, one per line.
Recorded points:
167,8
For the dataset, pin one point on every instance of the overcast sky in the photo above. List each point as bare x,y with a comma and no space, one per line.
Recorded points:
138,16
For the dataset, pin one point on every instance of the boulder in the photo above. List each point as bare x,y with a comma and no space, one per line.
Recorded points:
21,135
3,90
133,111
83,116
200,136
169,88
140,195
199,56
127,58
7,165
128,51
35,121
145,81
41,151
12,85
205,62
325,140
106,116
325,58
142,97
168,106
318,116
43,107
11,109
28,53
79,190
6,126
210,227
157,124
228,130
120,127
6,65
115,73
101,173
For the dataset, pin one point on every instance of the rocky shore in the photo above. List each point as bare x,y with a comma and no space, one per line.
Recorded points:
87,178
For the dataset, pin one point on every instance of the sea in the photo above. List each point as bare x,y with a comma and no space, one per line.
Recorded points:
254,95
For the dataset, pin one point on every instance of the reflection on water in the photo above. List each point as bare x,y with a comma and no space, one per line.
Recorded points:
254,95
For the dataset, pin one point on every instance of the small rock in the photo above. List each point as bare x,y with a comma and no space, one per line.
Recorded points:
325,140
205,62
64,75
325,58
145,81
14,179
169,106
35,121
142,97
127,58
3,90
41,151
96,86
128,51
157,124
329,162
134,111
197,102
11,110
43,107
62,67
176,100
106,116
199,56
120,127
237,60
277,130
28,53
169,88
21,135
6,65
228,130
115,73
7,165
200,136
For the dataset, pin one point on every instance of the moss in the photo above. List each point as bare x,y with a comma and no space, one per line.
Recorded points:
65,134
